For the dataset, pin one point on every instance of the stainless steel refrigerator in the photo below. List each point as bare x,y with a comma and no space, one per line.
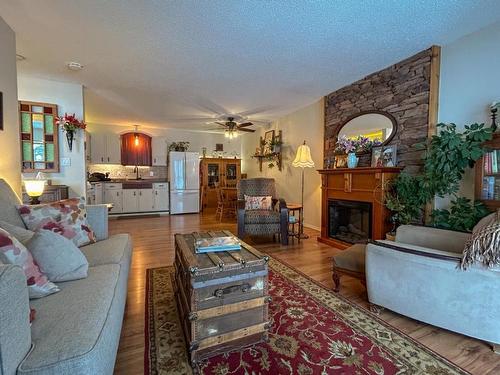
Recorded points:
184,175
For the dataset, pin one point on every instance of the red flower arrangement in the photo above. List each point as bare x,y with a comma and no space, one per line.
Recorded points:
70,123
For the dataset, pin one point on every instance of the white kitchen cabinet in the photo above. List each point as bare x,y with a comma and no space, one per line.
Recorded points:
130,200
145,200
105,148
97,148
159,151
115,197
113,149
160,197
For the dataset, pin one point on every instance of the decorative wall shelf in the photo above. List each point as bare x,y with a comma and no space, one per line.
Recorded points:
270,156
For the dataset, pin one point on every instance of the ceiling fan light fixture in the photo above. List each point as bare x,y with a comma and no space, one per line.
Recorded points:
226,133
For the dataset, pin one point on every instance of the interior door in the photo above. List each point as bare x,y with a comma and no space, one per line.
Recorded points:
130,200
145,200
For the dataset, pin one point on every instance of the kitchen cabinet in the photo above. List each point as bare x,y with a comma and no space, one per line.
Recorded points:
113,194
105,148
160,197
137,200
159,150
136,149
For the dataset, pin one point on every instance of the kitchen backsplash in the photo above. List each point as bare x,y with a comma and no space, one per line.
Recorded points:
120,171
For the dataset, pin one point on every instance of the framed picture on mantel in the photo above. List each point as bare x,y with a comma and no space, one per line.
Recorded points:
384,156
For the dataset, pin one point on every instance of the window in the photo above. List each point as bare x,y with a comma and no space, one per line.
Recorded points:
39,137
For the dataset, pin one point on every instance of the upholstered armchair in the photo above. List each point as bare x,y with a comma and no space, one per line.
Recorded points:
262,222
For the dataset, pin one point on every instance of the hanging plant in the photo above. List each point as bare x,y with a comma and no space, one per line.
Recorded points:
70,125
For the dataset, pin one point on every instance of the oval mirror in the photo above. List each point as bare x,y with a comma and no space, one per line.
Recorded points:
373,125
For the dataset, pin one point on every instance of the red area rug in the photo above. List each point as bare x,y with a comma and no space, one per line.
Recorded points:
314,331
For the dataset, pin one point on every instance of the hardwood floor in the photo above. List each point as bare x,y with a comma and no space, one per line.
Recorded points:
153,247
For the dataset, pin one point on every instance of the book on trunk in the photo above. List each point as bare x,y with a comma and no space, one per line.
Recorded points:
215,244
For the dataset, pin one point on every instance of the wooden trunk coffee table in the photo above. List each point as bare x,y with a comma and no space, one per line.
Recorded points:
222,297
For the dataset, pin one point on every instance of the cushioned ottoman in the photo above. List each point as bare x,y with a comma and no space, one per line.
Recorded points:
349,262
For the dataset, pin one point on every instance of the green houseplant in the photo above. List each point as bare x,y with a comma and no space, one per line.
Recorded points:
447,156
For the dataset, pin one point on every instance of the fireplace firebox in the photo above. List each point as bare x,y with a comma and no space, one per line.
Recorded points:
349,221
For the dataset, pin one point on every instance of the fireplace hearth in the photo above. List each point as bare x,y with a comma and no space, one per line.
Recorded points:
349,221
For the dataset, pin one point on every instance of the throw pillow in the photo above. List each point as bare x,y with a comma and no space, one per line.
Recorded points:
484,245
258,202
23,235
58,258
14,252
67,217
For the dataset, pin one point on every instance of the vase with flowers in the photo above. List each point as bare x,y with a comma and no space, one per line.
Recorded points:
346,149
70,125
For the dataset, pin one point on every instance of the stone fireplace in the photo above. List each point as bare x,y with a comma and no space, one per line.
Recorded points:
349,221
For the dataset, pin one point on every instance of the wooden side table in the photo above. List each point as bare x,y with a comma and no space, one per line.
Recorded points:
292,208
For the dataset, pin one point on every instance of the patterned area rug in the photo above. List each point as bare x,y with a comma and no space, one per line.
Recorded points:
314,331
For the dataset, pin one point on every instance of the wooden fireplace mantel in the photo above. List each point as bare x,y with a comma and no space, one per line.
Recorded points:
364,184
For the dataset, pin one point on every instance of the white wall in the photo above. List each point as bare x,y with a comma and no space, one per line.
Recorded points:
197,140
469,82
69,98
305,124
10,161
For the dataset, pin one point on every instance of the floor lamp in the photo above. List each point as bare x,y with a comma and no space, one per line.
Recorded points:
303,160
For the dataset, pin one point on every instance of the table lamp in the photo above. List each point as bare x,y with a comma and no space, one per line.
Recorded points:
34,189
303,160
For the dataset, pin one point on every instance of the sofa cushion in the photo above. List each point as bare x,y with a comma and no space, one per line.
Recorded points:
71,326
352,258
22,234
114,250
58,258
67,217
14,252
8,202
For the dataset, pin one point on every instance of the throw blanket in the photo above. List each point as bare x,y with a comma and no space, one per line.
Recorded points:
484,245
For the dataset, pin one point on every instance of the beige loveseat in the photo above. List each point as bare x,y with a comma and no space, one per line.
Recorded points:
419,276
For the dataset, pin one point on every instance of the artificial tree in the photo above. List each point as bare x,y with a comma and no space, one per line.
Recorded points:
447,156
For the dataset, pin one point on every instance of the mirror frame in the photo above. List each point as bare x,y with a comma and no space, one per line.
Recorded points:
373,111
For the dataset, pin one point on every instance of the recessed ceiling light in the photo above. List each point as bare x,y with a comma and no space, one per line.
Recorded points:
20,57
74,66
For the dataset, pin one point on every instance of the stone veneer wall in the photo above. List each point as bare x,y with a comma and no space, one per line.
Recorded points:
402,90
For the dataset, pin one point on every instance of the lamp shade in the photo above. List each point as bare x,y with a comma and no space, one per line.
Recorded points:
303,157
34,188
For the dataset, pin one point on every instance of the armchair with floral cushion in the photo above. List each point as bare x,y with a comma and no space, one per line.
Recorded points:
262,220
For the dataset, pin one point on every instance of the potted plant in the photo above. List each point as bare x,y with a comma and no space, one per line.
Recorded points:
70,125
352,146
275,145
179,146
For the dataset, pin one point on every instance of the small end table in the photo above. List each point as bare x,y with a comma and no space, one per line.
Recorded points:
292,207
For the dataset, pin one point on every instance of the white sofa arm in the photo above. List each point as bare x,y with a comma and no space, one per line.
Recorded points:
433,238
428,285
97,216
15,331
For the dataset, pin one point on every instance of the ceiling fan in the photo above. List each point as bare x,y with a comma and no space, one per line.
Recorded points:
233,127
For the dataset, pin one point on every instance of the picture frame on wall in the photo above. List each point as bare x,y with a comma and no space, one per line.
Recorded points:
268,137
384,156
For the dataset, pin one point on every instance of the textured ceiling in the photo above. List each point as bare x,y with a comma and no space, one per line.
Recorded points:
160,63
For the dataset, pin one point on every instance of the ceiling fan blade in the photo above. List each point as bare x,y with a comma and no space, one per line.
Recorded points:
220,123
246,130
245,124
